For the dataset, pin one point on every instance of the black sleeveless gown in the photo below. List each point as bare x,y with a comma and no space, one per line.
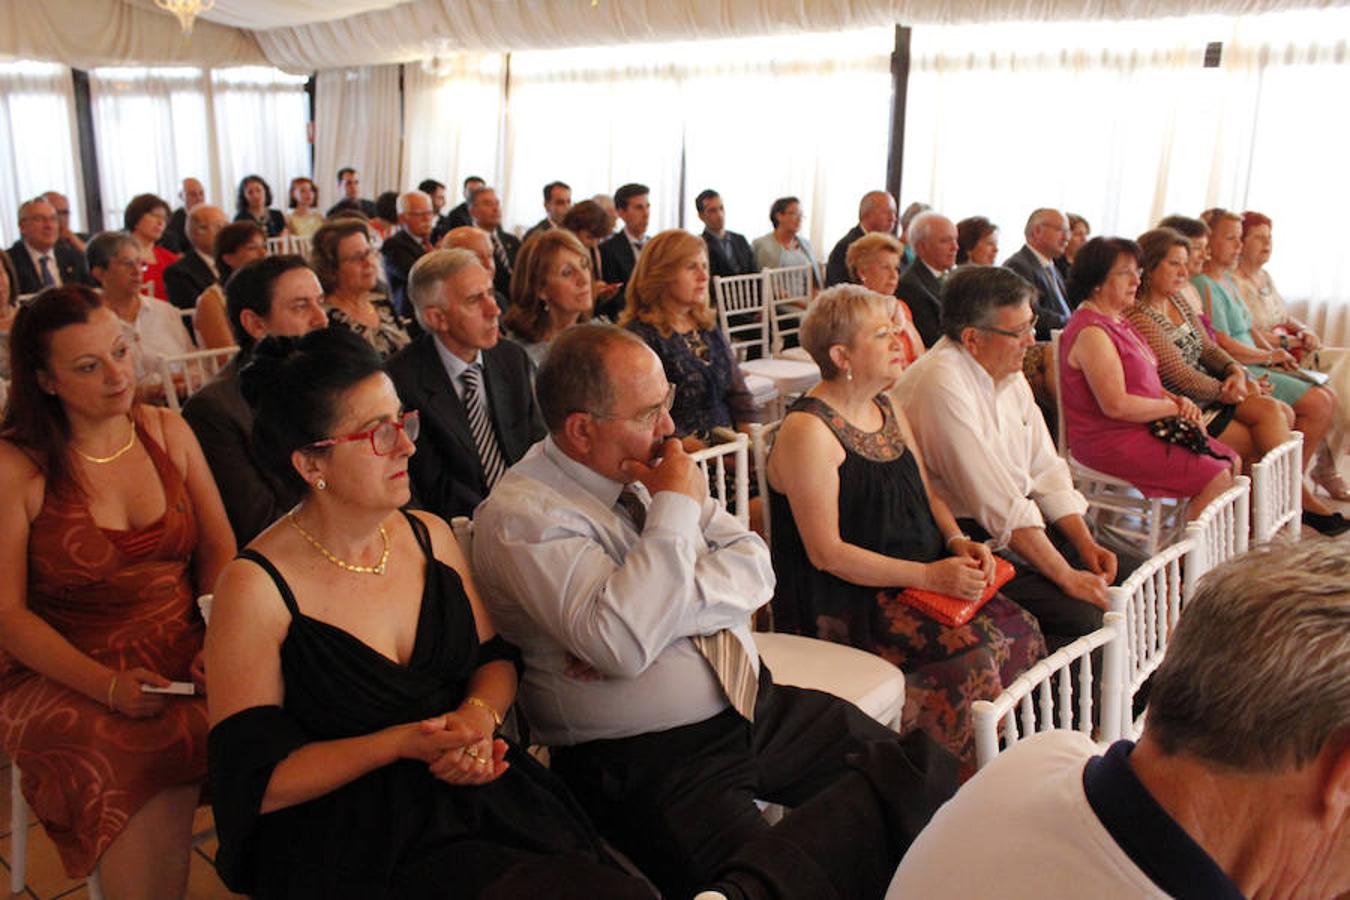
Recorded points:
883,507
397,831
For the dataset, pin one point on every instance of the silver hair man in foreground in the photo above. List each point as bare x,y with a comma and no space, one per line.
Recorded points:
1238,787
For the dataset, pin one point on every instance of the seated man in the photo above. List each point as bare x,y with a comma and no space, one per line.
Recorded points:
934,240
40,258
475,240
471,386
195,270
620,251
1047,234
458,217
990,456
557,201
1238,787
876,213
629,592
729,253
278,295
407,245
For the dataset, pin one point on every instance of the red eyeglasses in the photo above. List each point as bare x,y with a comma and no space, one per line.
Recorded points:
383,437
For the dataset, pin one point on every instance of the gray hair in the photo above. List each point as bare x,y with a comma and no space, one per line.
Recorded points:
575,376
834,317
194,214
923,224
425,280
1035,219
1257,676
907,217
404,197
103,247
27,204
971,294
871,200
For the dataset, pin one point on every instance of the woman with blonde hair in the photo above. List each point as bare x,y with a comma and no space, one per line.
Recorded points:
874,260
550,290
668,308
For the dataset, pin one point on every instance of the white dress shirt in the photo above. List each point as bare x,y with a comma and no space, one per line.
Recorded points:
456,367
563,570
986,446
157,332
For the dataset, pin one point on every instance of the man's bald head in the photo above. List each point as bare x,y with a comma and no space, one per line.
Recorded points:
876,212
475,240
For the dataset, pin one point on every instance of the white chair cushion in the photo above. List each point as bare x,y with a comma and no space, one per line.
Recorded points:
864,679
792,376
796,353
760,388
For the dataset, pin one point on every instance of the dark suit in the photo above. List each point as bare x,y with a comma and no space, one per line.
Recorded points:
542,225
175,233
836,272
740,261
66,260
361,205
456,218
447,473
185,279
501,281
1051,312
400,252
223,424
618,260
923,292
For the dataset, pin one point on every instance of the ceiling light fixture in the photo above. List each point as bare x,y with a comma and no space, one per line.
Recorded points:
186,11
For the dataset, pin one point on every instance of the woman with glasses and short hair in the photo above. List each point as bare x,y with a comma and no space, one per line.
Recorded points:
349,269
356,683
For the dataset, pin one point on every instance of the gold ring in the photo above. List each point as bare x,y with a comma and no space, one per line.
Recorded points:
473,752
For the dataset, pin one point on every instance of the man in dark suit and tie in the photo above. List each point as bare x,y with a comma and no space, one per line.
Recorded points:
557,201
876,213
472,387
1047,234
459,216
40,260
934,238
729,253
620,251
486,210
175,236
400,251
195,270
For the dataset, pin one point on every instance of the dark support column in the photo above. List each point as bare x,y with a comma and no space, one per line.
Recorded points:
895,156
309,131
84,125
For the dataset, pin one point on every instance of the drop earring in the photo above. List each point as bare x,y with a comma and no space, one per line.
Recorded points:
321,484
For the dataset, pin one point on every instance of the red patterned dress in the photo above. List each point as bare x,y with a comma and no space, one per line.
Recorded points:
125,598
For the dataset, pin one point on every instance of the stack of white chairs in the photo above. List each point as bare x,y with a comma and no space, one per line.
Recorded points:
1042,698
1277,492
184,374
789,293
746,322
288,243
1114,505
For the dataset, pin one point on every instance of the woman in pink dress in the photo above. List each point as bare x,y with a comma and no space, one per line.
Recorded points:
1112,391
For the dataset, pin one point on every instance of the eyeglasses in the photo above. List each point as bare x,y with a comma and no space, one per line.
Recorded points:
359,257
383,437
1017,334
650,416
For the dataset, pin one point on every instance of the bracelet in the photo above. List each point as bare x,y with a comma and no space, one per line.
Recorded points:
112,688
496,716
959,536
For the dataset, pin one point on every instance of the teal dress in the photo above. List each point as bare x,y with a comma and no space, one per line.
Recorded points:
1230,315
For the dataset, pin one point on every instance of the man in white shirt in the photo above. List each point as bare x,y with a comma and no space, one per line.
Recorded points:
153,328
990,456
1047,234
629,592
1238,787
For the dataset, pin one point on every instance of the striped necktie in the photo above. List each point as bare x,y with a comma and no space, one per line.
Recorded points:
45,262
725,653
480,423
499,253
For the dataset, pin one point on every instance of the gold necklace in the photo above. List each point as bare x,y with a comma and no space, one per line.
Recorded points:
131,442
377,569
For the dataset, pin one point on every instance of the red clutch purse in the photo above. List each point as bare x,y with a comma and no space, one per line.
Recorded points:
953,611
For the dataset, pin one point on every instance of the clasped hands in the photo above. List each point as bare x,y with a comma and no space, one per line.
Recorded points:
455,748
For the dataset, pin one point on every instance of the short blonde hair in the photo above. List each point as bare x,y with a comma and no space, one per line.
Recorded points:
657,267
835,317
862,251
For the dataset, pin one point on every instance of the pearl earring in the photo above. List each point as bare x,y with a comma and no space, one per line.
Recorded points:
848,374
321,484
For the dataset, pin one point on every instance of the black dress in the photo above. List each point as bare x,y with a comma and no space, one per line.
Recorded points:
883,507
397,831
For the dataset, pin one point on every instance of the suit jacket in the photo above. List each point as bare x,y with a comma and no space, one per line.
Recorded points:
923,293
542,225
223,424
836,272
618,260
400,252
175,233
361,205
502,280
740,262
458,217
69,262
446,471
187,278
1050,312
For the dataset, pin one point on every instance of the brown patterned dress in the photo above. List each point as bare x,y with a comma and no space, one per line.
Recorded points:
124,598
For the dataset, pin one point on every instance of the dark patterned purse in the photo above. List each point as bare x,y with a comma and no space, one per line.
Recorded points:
1183,433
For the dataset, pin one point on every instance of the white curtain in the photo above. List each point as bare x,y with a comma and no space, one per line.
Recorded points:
39,149
453,114
357,123
260,117
1121,123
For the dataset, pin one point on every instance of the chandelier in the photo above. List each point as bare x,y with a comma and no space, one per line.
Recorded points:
186,10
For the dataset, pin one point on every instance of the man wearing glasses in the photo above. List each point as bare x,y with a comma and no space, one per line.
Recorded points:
416,215
1047,234
990,457
40,259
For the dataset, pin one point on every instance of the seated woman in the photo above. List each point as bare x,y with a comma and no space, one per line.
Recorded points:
348,268
853,521
784,247
237,244
1272,321
976,242
1197,232
591,225
874,260
667,306
112,526
356,683
153,330
145,219
254,204
1234,408
1111,391
550,290
303,219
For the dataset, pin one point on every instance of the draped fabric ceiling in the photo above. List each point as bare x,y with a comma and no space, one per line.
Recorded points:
304,35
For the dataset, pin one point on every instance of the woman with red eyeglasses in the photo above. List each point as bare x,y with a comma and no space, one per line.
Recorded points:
356,683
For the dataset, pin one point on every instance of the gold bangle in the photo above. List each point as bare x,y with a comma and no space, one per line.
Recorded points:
496,716
112,688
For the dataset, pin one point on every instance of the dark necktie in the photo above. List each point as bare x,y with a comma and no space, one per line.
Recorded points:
45,263
480,424
1052,275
